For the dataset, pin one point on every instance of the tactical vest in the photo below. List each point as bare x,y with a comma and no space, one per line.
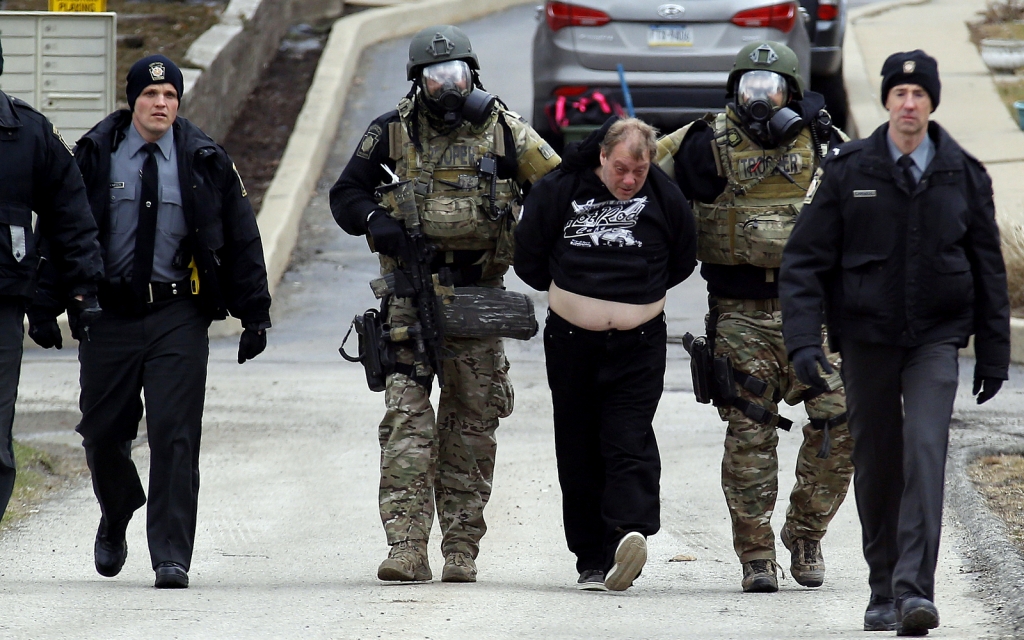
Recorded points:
453,195
751,220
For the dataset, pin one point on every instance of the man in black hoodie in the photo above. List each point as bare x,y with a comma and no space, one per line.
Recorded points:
606,235
747,171
898,248
181,248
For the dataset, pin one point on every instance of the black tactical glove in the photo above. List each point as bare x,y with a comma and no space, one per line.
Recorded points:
387,233
805,361
988,387
251,344
44,331
83,312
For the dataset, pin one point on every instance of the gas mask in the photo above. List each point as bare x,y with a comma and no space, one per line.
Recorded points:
449,94
761,99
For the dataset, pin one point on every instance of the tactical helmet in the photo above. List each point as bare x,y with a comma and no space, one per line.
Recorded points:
769,56
439,44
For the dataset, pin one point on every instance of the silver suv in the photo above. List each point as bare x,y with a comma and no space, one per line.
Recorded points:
676,55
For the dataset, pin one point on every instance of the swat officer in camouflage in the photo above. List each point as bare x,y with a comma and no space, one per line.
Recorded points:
469,159
747,172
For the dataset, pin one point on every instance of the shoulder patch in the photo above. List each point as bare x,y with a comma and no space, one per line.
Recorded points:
369,141
815,183
56,132
240,183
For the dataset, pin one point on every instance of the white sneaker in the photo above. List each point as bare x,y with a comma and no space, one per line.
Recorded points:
630,557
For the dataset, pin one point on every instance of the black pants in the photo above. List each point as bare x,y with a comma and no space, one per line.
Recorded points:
12,335
605,388
164,356
900,401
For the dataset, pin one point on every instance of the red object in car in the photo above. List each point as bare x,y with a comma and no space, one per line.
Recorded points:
777,16
562,14
571,91
828,9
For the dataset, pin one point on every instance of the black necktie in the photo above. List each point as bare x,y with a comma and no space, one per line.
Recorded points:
906,162
145,233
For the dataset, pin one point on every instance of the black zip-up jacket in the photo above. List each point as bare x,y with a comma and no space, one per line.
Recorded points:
38,173
891,264
222,231
563,237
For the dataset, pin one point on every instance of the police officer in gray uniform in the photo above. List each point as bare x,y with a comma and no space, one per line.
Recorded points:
181,249
37,173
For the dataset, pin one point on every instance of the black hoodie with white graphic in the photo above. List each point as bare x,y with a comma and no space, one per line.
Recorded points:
576,233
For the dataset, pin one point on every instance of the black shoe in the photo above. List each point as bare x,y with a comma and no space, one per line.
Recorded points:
880,614
915,615
171,575
591,580
111,549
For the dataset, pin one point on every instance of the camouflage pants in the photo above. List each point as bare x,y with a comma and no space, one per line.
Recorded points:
753,341
447,461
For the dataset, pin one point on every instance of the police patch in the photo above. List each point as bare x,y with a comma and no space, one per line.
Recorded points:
814,186
909,66
56,132
240,183
157,72
369,142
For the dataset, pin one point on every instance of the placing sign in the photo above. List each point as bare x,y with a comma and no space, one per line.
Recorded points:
660,35
79,6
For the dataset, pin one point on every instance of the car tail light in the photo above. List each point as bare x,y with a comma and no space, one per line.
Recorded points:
777,16
828,9
563,14
570,91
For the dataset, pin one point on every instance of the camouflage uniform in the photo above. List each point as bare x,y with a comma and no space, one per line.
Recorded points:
448,460
749,224
753,341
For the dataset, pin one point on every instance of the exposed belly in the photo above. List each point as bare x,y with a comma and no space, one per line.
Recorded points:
600,315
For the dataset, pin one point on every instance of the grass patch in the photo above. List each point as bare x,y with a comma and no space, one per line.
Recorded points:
146,28
41,471
1000,479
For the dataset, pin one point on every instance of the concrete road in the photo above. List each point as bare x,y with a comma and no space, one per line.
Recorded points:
289,537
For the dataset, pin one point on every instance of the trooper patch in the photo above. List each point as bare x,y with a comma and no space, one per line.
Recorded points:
369,142
157,72
240,183
814,186
56,132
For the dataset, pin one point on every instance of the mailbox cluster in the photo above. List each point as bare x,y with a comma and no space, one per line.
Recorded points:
63,64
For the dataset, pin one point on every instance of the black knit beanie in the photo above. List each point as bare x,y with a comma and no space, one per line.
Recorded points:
912,67
155,69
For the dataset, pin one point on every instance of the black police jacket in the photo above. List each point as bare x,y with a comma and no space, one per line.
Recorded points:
895,264
38,173
223,235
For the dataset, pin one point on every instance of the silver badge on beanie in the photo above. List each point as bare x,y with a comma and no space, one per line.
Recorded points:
909,66
157,72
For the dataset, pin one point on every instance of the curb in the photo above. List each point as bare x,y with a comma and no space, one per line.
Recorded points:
993,556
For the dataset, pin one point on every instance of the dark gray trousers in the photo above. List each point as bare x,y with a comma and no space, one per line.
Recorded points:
164,356
12,334
900,401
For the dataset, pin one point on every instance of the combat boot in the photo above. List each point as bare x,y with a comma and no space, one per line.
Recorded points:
407,562
759,576
458,567
807,564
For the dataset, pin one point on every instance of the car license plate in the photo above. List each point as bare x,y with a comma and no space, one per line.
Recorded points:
675,35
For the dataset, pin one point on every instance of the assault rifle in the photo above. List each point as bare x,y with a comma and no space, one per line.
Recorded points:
414,280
